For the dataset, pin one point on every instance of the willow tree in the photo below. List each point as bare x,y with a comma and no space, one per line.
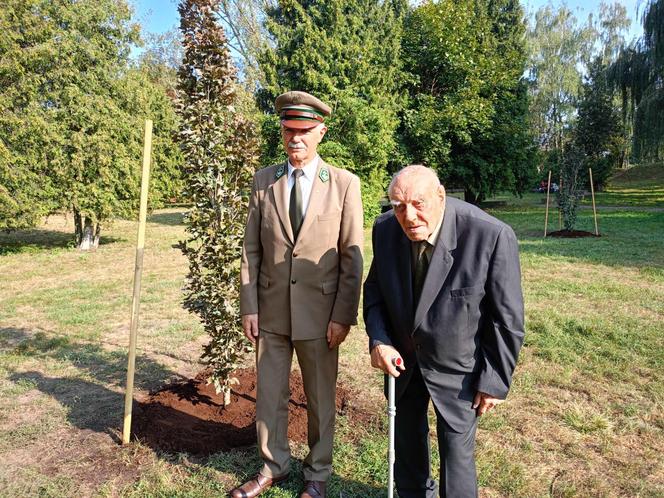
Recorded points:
220,154
244,21
638,73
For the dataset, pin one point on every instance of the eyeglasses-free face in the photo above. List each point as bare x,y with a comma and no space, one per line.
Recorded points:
418,205
301,143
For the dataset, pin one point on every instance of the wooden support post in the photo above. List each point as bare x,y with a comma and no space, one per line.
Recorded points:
138,271
560,213
592,192
546,216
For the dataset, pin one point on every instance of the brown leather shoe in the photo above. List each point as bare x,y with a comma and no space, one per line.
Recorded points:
313,489
256,486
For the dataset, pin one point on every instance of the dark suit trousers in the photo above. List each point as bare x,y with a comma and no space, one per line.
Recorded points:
458,477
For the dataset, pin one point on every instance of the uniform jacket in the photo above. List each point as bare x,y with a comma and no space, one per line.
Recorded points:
298,286
467,329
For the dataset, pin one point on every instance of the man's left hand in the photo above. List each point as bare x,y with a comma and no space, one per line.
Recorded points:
336,333
484,402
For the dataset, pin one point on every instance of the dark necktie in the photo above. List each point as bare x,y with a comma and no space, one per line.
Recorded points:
421,267
295,207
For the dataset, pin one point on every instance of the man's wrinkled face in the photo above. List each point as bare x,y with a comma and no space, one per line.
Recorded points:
301,144
418,204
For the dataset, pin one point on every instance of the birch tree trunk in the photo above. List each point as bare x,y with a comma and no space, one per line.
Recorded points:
87,232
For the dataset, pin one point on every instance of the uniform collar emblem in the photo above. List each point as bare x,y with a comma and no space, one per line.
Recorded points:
324,175
281,170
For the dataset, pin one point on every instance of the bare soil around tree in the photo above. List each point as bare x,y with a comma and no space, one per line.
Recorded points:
189,416
571,234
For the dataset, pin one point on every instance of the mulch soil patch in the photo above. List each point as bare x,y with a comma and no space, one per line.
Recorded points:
189,416
571,234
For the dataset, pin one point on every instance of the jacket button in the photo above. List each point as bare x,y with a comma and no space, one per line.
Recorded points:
293,281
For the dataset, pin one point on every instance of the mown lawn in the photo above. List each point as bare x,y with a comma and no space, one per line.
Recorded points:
584,417
641,186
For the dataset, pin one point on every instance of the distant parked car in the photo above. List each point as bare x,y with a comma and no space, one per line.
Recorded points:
543,185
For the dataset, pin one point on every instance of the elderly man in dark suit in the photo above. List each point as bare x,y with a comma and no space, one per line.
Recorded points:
444,294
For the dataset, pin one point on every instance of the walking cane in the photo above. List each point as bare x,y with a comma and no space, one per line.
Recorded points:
391,414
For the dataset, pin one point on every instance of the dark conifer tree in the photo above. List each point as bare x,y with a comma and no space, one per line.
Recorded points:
347,53
597,131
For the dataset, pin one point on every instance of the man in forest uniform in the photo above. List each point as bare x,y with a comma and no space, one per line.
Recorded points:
301,276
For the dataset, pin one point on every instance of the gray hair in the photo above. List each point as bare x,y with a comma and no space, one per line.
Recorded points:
413,170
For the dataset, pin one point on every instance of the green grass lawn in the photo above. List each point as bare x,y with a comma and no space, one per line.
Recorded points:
636,187
640,186
584,417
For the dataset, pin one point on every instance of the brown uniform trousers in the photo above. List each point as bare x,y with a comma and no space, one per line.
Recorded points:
297,287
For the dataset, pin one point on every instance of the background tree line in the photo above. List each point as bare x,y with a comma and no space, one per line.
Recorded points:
473,88
594,95
72,106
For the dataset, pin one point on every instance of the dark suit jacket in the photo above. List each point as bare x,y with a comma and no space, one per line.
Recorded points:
467,329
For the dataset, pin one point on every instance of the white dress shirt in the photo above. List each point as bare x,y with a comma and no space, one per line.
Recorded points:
306,182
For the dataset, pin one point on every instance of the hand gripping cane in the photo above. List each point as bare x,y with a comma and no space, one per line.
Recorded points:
391,414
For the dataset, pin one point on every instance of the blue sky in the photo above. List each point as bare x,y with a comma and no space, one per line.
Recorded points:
157,16
583,8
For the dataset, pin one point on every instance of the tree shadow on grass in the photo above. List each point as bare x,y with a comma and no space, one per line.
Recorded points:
106,366
172,218
90,404
40,239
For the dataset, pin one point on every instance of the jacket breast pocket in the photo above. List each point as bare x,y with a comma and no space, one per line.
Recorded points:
327,230
467,292
334,215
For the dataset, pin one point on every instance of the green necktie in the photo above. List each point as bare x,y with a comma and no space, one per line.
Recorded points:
295,207
420,273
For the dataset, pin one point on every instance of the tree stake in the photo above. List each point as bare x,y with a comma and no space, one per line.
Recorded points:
138,271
